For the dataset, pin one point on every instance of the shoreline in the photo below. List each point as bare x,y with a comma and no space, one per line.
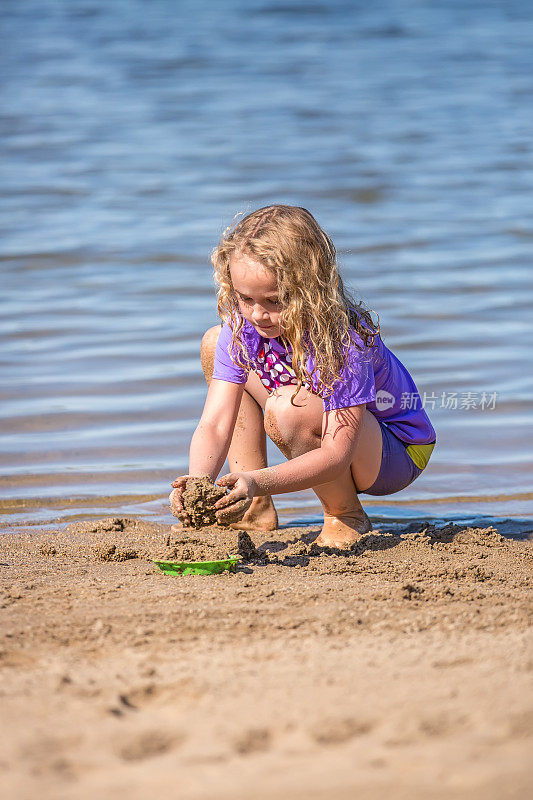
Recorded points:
402,667
514,526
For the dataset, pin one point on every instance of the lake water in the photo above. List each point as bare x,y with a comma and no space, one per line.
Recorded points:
132,132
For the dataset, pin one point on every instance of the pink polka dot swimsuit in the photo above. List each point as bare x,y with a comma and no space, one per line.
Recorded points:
273,366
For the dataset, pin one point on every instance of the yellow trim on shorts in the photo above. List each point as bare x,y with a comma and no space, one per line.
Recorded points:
420,453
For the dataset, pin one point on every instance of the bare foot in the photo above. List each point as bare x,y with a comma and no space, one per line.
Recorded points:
343,530
261,516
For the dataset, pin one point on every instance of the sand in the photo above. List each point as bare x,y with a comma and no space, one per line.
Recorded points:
199,498
124,539
400,669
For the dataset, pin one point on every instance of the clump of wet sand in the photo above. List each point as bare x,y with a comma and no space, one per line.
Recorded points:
199,498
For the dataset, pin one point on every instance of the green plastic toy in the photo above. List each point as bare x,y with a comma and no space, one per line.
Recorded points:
197,567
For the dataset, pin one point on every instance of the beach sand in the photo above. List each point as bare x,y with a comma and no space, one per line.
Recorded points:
401,669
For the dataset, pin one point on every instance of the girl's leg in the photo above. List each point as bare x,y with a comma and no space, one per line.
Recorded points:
296,429
248,445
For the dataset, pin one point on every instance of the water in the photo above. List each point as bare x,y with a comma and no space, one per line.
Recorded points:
132,132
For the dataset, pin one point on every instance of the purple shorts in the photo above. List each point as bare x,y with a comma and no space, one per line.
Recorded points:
398,468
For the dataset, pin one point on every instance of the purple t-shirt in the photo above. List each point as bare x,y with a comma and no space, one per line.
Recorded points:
373,376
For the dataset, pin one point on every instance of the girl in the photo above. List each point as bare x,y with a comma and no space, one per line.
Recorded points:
297,358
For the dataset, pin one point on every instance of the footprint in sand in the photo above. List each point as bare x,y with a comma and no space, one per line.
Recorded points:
150,694
442,724
255,740
337,731
149,744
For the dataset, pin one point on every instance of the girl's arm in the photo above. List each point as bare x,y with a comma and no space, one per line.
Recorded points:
212,437
340,432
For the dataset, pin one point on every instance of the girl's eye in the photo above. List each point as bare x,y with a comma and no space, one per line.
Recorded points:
249,301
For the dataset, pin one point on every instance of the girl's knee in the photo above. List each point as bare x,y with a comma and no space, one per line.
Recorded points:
273,432
279,422
286,424
210,337
279,409
207,350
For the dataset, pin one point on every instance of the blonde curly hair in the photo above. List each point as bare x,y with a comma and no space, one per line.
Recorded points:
317,312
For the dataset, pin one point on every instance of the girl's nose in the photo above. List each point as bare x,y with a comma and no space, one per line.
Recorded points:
259,314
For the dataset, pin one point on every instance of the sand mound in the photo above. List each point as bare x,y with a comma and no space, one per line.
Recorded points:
210,544
122,539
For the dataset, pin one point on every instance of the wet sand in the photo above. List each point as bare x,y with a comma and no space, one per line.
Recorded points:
399,669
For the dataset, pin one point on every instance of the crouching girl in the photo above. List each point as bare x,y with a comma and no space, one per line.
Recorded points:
297,358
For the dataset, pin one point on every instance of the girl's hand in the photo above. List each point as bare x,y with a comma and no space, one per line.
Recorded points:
236,503
176,502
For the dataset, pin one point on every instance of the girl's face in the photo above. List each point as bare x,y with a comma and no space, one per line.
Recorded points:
257,292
